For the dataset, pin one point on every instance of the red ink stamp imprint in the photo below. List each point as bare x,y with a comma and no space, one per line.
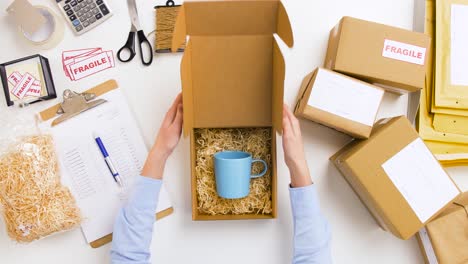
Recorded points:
404,52
78,64
34,89
22,87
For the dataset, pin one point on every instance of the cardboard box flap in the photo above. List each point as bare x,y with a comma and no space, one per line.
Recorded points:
230,81
227,18
283,26
279,71
186,76
232,76
180,31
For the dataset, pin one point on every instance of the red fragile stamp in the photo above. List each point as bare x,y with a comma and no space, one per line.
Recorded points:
24,85
78,64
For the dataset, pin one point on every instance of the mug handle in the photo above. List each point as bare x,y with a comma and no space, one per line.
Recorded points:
261,173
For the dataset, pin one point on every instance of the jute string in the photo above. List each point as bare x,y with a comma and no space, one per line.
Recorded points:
165,21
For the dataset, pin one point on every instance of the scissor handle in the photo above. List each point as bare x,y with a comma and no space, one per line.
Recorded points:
128,47
144,43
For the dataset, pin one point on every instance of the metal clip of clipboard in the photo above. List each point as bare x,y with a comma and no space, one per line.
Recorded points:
74,104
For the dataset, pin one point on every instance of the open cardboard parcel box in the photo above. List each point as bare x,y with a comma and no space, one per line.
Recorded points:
232,74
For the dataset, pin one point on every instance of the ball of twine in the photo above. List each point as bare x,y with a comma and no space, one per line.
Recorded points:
165,22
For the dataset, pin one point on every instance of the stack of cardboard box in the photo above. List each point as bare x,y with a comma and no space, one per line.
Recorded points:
384,57
388,165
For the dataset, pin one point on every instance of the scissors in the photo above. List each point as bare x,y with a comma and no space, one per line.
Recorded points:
128,49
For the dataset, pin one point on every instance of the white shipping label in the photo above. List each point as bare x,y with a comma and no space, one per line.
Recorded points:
420,179
345,97
427,245
404,52
458,45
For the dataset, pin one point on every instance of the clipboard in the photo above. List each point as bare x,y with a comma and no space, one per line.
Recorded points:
99,90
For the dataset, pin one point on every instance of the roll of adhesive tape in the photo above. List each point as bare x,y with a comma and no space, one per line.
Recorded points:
49,35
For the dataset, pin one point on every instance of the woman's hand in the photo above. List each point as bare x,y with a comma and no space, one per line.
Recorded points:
166,141
294,150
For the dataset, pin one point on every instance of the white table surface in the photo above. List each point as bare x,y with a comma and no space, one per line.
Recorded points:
177,239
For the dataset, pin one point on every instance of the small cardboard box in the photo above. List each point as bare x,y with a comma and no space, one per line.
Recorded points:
396,177
340,102
232,72
392,57
444,240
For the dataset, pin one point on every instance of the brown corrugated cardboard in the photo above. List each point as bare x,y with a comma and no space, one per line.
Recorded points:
340,102
446,235
391,57
232,71
396,177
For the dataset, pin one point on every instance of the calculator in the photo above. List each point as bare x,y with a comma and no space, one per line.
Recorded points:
84,15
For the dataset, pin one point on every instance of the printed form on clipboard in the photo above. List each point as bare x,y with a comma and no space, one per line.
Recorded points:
84,170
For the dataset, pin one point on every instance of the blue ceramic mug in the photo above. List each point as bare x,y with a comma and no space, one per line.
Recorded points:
233,173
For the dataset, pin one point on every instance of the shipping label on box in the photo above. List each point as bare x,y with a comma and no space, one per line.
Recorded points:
421,180
340,102
345,97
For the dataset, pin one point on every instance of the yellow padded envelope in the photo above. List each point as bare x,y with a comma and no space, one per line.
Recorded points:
445,120
451,87
440,143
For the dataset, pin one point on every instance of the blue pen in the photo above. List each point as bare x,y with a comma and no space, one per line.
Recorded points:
108,160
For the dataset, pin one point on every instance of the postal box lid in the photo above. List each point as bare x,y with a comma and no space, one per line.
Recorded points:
232,70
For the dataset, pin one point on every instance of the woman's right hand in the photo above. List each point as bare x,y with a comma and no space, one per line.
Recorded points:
166,141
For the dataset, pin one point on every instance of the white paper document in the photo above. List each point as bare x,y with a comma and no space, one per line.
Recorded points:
420,179
459,45
427,245
344,97
84,170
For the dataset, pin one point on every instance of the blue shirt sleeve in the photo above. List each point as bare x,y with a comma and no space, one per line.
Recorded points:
311,231
133,228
